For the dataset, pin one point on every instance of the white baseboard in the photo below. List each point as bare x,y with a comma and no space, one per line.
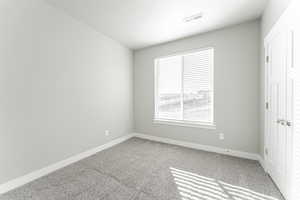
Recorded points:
15,183
241,154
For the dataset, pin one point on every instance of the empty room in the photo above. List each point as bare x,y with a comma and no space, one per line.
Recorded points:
149,100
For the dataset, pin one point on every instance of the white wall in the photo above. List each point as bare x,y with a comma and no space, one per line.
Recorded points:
236,88
273,11
61,85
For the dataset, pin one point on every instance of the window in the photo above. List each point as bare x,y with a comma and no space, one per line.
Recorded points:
184,89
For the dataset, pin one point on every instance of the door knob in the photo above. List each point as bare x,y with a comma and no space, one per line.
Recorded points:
284,122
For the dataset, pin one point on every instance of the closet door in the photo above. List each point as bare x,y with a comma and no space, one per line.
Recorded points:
282,122
293,104
277,111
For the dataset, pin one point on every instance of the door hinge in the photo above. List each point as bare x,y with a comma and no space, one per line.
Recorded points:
267,59
267,105
266,151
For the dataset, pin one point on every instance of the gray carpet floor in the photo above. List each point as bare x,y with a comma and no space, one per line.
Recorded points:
145,170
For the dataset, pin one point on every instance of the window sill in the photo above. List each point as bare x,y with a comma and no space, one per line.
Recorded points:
185,123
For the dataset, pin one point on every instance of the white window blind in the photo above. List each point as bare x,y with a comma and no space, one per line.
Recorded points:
184,87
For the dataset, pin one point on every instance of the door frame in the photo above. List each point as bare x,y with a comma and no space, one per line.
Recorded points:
265,107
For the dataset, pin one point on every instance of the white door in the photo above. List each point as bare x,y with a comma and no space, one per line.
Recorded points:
277,109
282,120
293,102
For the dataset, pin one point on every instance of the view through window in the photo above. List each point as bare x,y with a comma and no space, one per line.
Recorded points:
184,87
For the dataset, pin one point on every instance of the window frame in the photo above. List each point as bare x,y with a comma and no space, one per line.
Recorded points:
195,124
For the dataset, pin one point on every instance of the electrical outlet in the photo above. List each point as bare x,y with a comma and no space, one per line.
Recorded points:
221,136
106,132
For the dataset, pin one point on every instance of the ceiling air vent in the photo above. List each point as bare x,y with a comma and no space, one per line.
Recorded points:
193,17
